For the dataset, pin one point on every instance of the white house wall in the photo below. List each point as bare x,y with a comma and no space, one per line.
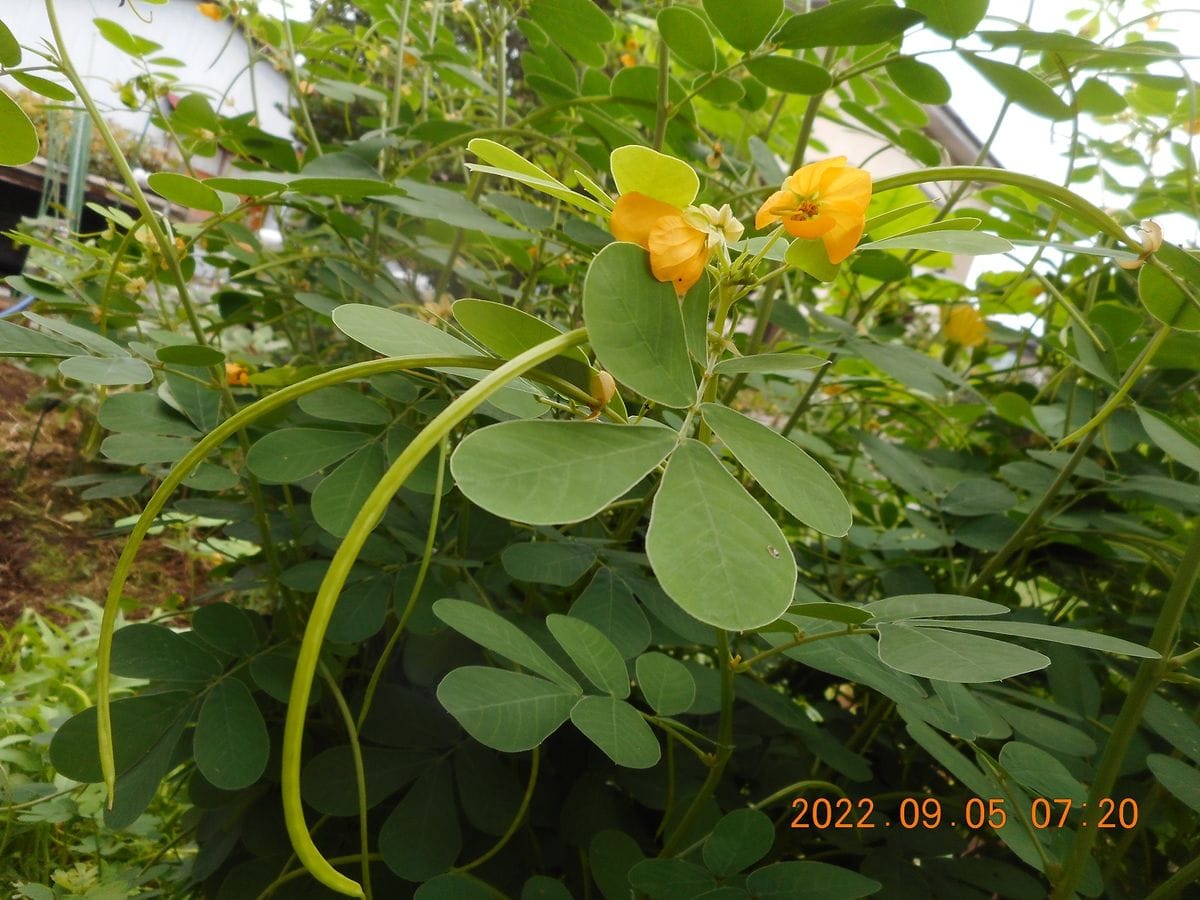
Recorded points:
213,53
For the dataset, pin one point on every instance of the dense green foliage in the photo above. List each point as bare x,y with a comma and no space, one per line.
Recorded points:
52,841
543,581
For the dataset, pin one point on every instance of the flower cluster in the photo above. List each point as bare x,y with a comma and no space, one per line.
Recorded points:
826,200
680,241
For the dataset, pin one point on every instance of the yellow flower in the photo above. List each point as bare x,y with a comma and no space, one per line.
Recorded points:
826,200
236,375
680,241
964,326
212,10
628,60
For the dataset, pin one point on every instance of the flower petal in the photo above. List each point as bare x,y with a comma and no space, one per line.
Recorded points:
841,240
808,229
678,252
806,180
634,216
774,208
847,185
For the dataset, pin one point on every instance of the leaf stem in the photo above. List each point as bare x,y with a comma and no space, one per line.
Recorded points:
723,752
1149,673
1131,376
1017,540
534,762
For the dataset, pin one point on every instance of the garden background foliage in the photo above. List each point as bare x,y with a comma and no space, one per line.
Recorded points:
541,578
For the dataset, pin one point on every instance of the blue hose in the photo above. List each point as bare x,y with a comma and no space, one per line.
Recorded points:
24,303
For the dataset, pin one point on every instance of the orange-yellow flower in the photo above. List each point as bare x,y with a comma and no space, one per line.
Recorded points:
964,326
236,375
826,200
680,241
212,10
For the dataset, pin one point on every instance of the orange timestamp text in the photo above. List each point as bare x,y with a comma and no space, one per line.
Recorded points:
978,813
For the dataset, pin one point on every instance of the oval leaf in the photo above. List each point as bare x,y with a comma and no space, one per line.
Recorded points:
190,355
137,723
687,37
607,602
665,178
786,472
149,651
715,551
738,841
504,710
770,363
1075,637
421,837
1021,87
1171,437
341,494
635,326
744,23
952,656
491,630
290,454
551,473
846,25
91,370
966,243
44,86
20,144
929,606
790,75
1180,779
595,655
815,880
1040,772
618,729
231,742
919,80
185,190
666,683
10,49
1164,285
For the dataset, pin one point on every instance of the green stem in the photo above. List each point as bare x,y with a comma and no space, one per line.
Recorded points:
795,789
418,584
344,558
1034,518
790,790
360,773
1150,672
662,109
1131,376
1172,887
810,116
723,753
798,640
535,760
207,444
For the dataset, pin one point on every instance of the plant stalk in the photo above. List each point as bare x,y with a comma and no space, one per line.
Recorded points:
344,558
1150,672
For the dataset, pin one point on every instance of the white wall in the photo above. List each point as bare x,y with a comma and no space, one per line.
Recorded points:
214,53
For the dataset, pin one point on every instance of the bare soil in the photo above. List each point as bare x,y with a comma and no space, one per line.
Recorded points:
50,549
